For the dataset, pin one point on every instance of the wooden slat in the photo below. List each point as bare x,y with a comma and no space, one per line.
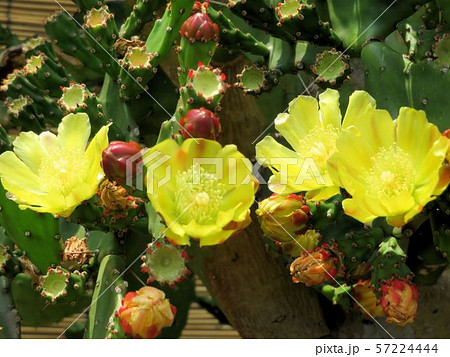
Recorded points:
28,16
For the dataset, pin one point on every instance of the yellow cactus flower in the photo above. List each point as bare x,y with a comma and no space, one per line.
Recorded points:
312,133
202,190
54,174
390,168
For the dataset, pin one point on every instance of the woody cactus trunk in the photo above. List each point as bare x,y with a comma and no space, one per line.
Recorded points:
106,210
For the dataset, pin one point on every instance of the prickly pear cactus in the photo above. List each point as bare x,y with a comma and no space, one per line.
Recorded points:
115,180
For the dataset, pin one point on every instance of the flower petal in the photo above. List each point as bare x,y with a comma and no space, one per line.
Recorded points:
302,118
74,131
13,170
329,108
359,103
49,143
27,147
94,156
357,211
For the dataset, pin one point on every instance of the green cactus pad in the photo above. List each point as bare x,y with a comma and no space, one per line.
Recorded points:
423,85
110,289
143,12
289,8
45,74
73,97
17,85
9,321
331,67
101,26
4,257
16,106
252,79
260,14
36,45
338,295
136,71
441,50
207,83
165,263
35,310
389,263
426,262
86,5
78,99
72,40
357,249
232,37
439,219
205,87
37,234
138,57
54,284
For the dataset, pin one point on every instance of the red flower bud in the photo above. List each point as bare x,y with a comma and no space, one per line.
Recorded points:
200,27
200,123
114,160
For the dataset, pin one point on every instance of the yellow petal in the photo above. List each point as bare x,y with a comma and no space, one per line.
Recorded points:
164,161
175,238
333,169
268,148
94,156
359,103
397,204
354,153
13,170
217,238
302,118
200,231
444,180
323,194
28,149
49,143
74,131
201,149
377,129
357,211
422,140
396,221
274,155
163,201
82,192
329,108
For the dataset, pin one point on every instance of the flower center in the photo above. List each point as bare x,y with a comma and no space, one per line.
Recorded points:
392,172
202,192
320,144
63,171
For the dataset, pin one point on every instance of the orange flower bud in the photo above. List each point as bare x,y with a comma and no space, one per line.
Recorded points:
283,217
145,313
313,268
399,301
